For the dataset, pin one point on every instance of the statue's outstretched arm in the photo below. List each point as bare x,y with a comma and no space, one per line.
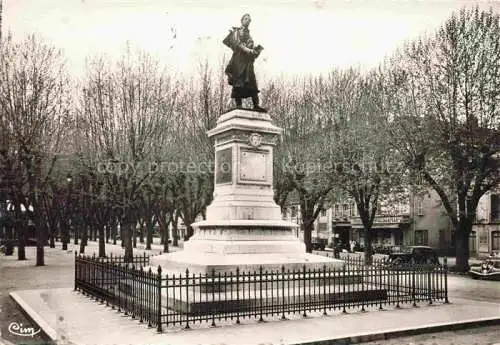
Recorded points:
239,45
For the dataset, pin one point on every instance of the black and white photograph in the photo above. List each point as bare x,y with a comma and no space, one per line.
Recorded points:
209,172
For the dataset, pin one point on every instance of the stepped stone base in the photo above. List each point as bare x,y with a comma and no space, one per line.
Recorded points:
209,263
205,304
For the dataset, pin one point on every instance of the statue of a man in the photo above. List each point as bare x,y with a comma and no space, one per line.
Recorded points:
240,70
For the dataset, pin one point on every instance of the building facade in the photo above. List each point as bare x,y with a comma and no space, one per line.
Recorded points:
485,236
415,220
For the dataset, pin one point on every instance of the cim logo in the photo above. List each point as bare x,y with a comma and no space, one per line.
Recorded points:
18,329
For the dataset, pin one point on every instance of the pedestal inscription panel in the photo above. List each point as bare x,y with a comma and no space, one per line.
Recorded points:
224,166
253,166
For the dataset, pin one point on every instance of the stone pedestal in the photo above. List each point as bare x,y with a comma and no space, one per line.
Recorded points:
243,226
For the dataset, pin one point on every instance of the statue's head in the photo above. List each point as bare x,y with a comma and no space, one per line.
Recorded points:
245,19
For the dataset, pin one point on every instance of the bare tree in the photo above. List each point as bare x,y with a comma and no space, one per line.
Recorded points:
445,92
298,110
203,101
124,108
363,166
35,102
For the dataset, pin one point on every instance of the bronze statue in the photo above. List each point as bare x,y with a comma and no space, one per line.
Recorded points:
240,71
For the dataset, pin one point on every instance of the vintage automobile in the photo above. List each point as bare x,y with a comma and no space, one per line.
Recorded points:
418,255
488,269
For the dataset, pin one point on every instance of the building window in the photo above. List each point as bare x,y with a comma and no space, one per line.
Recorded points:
293,211
345,213
419,206
398,238
322,227
472,243
337,211
421,237
495,240
495,208
354,210
323,212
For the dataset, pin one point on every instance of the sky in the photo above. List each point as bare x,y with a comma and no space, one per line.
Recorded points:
298,36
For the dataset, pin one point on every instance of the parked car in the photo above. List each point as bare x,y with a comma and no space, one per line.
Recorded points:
413,255
488,269
318,243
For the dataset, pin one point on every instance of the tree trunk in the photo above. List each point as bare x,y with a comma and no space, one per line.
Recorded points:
307,228
462,245
149,233
102,243
83,242
141,233
108,233
86,228
122,234
134,235
114,231
129,251
9,245
76,233
189,231
175,230
165,234
64,235
368,246
21,231
40,241
52,236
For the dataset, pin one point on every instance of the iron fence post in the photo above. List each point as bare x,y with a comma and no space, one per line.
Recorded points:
140,277
429,285
364,269
187,298
304,285
149,297
380,268
213,297
127,278
261,319
76,270
344,311
446,280
158,299
413,282
397,288
102,286
324,290
283,292
132,284
237,295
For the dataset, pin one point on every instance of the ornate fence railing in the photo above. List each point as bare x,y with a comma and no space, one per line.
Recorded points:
167,299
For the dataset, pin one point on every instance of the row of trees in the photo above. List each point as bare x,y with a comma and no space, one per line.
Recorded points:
127,143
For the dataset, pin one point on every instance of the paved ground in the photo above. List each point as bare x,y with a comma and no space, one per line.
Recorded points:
65,322
477,336
58,273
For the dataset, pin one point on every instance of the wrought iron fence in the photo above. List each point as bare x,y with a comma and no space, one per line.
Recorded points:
184,299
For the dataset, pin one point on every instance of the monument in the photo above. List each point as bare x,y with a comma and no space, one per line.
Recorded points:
243,236
240,69
243,226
